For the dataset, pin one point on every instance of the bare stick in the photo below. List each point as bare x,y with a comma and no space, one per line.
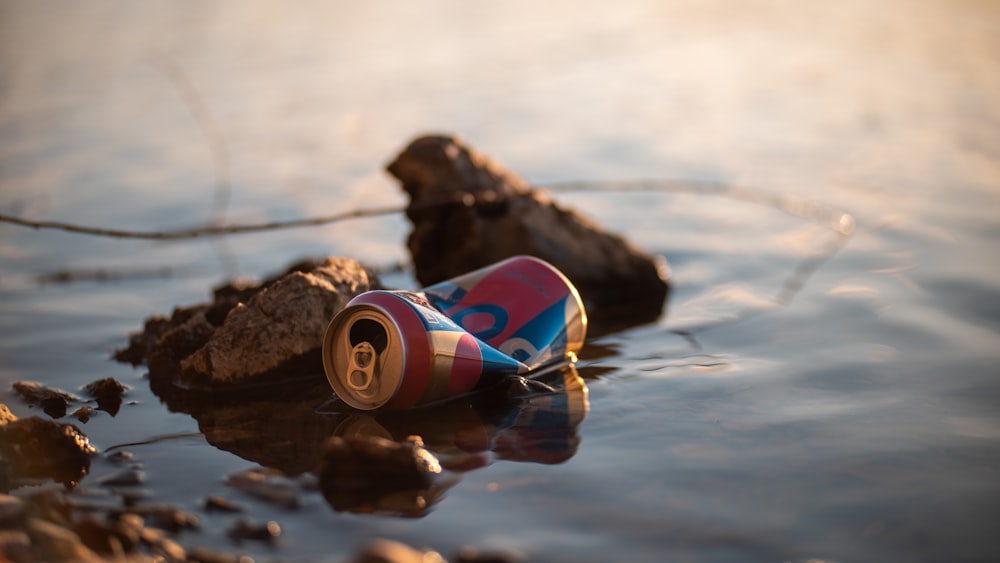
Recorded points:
212,230
838,221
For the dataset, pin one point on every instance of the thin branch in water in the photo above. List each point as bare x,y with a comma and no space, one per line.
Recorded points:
103,275
207,231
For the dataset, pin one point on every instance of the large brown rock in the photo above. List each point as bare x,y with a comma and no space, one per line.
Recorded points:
468,212
249,333
282,322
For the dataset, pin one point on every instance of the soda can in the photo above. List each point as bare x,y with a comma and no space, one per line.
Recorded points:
401,349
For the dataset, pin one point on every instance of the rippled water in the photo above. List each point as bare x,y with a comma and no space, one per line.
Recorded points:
807,393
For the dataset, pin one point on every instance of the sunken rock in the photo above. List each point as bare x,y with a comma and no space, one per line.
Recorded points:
281,323
369,474
468,212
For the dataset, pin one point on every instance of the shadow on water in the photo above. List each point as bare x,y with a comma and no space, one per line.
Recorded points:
284,427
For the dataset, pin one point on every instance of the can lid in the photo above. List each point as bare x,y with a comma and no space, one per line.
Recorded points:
363,357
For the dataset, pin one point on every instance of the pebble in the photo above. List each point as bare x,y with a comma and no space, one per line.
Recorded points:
259,483
390,551
125,478
261,531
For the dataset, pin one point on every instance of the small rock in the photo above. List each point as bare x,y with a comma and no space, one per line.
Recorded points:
170,551
220,504
36,447
5,414
124,478
389,551
246,530
11,511
55,543
108,392
83,414
168,518
208,555
15,546
475,555
275,489
54,402
48,504
120,456
110,538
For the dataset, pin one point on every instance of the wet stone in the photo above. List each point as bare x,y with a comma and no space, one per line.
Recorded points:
250,334
5,414
15,546
244,529
273,488
468,212
168,518
11,510
54,402
56,543
34,447
106,537
476,555
83,414
125,478
170,551
120,456
389,551
108,392
208,555
221,504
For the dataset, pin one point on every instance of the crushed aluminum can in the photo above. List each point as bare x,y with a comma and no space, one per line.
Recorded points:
402,349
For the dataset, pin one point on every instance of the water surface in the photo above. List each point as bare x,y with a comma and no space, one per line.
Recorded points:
808,392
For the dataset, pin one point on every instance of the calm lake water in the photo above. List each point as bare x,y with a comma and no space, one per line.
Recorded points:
812,391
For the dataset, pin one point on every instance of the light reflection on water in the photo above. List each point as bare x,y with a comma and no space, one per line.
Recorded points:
851,418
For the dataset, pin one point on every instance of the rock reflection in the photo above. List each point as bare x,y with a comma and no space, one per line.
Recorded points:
286,428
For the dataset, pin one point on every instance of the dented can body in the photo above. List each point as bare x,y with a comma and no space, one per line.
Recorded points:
401,349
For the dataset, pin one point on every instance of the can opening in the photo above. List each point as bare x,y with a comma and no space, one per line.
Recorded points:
372,332
369,339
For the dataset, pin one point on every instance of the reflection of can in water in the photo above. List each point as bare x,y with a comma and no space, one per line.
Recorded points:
400,349
537,427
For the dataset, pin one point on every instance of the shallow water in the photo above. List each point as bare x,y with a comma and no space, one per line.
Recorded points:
807,393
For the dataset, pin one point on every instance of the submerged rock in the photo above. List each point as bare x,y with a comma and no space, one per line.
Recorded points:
468,212
54,402
372,474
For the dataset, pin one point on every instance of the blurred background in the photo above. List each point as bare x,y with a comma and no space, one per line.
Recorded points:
836,407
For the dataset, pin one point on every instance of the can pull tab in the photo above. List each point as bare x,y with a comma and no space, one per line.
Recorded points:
362,368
